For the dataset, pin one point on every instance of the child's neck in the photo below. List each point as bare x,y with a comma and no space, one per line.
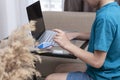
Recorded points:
104,2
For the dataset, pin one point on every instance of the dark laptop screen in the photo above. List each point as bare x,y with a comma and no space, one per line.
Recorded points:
35,13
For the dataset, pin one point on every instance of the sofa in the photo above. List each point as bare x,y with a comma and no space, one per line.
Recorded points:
67,21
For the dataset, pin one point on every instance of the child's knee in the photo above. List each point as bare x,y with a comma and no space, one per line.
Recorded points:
49,77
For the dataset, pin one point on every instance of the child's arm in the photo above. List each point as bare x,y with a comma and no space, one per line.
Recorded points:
78,36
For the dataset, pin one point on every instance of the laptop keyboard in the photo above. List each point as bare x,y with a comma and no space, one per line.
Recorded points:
48,37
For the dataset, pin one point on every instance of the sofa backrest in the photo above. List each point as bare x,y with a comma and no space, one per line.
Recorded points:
70,21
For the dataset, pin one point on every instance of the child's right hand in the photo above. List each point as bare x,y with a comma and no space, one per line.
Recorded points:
61,38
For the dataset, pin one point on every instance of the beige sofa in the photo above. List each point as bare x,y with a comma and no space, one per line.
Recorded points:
68,21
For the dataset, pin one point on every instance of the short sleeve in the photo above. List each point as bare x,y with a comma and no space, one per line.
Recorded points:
104,34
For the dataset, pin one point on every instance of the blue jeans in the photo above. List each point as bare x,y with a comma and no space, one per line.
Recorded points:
78,76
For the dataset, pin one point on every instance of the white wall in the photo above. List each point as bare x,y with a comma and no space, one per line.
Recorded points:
3,15
12,15
21,11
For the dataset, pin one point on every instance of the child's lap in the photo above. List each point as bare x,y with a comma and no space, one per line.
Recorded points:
78,76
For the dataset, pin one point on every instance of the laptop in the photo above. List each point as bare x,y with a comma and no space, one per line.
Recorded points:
43,36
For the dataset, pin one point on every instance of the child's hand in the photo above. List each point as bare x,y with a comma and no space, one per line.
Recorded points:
61,38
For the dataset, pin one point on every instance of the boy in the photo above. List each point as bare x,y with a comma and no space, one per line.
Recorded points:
103,55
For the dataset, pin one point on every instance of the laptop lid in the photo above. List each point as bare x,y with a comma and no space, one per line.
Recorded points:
34,12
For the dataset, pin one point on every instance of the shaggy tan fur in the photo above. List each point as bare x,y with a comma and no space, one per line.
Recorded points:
16,60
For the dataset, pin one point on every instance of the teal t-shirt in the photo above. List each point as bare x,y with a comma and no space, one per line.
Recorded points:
105,36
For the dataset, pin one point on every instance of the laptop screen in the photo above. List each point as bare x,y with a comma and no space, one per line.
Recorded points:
34,12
